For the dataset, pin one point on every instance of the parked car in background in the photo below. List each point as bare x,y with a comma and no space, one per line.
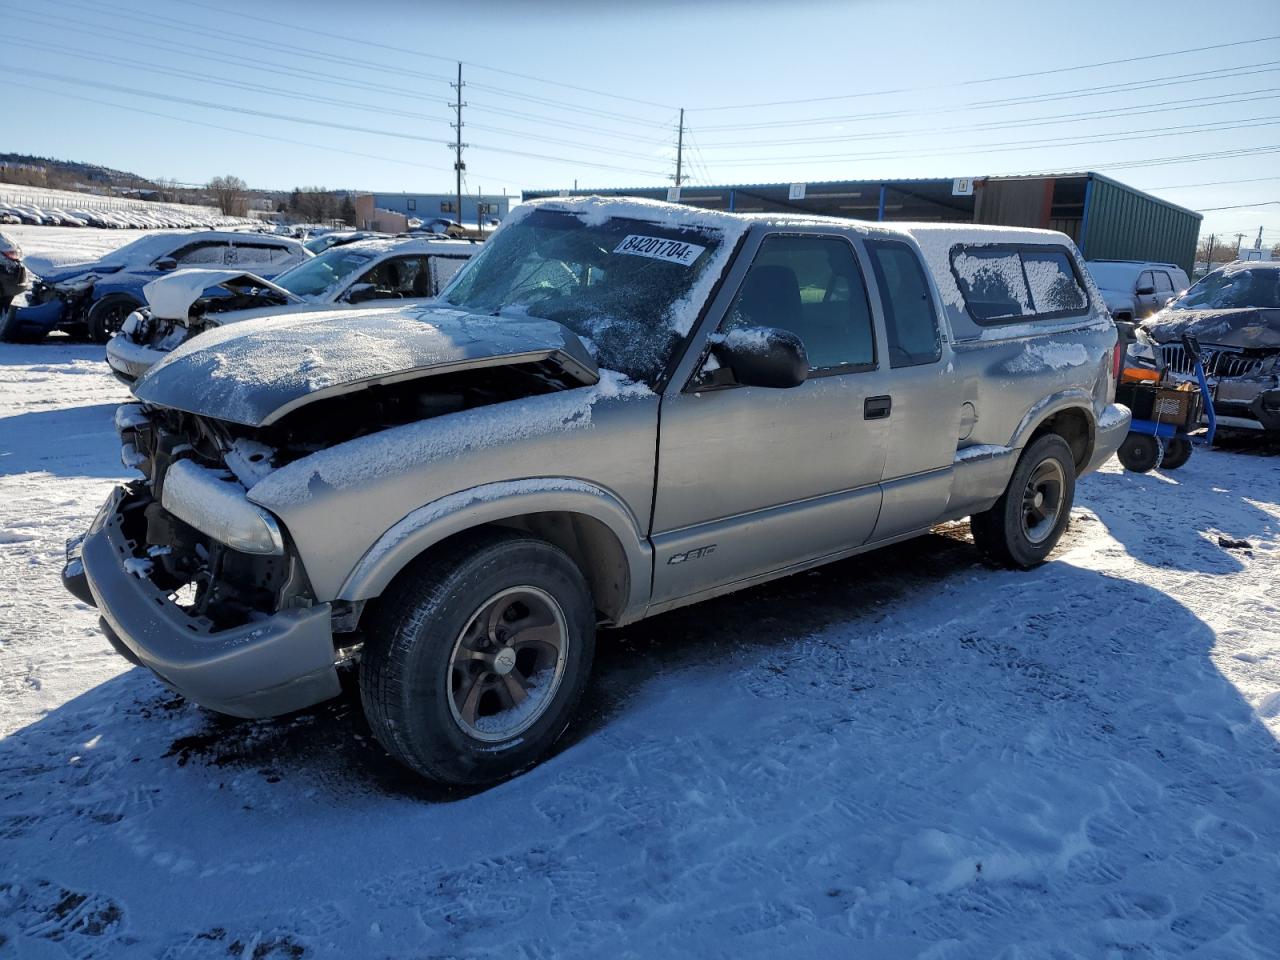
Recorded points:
337,238
1135,289
93,299
187,302
1234,313
13,275
440,226
617,408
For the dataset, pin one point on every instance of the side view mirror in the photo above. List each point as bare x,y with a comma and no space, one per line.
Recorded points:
166,263
763,357
361,292
1146,291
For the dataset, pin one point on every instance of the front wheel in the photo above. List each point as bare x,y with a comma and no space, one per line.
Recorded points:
1025,524
107,316
477,657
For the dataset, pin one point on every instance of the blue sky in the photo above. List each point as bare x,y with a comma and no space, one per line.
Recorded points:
561,92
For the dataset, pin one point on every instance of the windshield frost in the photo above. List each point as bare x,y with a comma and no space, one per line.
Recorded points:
321,274
1228,288
615,282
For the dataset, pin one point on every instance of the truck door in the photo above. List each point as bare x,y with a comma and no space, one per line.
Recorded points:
751,479
923,389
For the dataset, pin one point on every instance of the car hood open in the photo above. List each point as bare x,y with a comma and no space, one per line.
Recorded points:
171,296
257,371
1248,328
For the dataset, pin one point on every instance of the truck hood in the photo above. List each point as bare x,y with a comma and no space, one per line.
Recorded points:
257,371
171,296
1247,328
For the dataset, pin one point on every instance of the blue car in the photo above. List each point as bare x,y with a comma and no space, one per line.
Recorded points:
93,299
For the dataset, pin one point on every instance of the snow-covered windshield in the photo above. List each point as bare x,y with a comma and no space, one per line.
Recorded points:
1233,287
615,281
323,274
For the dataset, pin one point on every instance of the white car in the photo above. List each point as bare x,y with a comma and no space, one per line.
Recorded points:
187,302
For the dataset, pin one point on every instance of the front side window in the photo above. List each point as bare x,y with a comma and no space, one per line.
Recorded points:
1008,284
811,286
399,277
616,281
910,320
323,274
201,254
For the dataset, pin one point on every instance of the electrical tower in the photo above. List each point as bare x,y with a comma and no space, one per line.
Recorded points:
458,165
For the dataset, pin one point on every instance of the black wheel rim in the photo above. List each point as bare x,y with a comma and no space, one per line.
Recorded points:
507,664
113,318
1042,501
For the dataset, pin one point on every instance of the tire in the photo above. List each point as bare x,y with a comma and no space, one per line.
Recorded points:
1025,524
442,705
1176,453
1140,452
107,315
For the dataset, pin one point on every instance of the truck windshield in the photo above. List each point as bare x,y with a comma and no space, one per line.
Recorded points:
313,279
1233,287
616,282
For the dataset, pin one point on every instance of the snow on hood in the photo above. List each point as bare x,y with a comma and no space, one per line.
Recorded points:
1245,327
256,371
170,297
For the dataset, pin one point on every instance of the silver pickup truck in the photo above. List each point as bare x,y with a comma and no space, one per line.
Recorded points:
616,408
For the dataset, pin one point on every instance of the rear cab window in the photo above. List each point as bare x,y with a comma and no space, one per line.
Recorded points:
910,319
1004,284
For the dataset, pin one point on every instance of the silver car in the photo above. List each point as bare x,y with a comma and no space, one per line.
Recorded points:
615,409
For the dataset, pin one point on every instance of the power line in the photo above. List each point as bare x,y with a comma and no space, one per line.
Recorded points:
1015,145
1241,206
1012,76
1273,93
238,85
419,53
1173,80
1214,183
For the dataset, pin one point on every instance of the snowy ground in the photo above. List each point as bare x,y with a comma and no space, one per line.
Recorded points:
909,754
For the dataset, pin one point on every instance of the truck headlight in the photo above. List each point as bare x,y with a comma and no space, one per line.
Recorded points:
218,507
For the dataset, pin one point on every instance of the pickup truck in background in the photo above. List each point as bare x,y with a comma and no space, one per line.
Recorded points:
616,408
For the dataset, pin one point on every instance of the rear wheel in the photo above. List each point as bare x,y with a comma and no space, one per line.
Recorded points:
1176,453
107,316
1140,452
477,657
1024,525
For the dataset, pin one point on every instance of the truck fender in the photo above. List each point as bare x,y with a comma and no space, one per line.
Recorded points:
1074,398
494,503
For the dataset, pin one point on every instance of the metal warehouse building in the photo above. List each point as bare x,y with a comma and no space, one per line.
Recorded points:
1106,219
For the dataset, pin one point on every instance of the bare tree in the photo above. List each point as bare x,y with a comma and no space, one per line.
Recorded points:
231,195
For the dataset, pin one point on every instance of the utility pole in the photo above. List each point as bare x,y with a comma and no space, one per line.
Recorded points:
1239,240
680,155
1208,260
1257,244
458,165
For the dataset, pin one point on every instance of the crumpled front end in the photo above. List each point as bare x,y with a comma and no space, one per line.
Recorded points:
198,584
143,341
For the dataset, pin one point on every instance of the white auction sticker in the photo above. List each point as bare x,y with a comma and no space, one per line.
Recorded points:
672,251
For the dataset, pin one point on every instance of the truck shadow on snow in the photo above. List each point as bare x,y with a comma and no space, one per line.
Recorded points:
1099,687
72,442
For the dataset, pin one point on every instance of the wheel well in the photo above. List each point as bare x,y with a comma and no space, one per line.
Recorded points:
590,544
1074,426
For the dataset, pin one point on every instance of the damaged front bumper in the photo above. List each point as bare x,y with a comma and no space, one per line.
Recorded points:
268,666
129,360
1248,403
